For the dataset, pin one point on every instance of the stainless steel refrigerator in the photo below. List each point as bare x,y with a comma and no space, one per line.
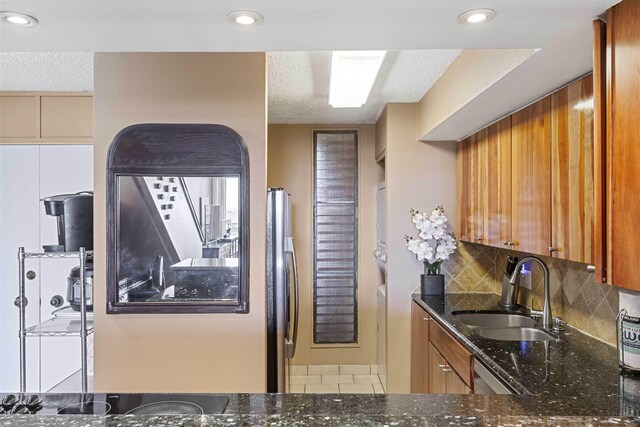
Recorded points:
282,291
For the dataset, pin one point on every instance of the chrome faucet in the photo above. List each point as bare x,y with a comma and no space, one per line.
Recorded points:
547,318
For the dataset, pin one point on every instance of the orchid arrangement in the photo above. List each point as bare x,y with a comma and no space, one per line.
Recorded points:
434,244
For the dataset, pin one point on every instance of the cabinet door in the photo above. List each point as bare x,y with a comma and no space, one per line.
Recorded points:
622,148
419,349
437,375
66,116
572,171
470,187
18,117
19,212
497,186
416,367
531,183
64,169
453,382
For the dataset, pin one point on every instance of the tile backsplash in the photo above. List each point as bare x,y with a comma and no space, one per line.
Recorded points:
585,305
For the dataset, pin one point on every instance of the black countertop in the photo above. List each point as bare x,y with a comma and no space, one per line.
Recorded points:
576,370
354,410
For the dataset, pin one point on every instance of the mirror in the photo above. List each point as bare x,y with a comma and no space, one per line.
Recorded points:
178,239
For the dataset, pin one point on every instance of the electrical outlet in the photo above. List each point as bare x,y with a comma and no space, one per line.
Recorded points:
525,278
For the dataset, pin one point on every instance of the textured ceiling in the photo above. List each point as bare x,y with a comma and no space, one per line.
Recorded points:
46,71
298,81
299,85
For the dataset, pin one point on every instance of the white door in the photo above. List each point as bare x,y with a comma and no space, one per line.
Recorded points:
27,174
19,226
63,169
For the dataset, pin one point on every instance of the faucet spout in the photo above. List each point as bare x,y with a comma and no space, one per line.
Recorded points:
547,318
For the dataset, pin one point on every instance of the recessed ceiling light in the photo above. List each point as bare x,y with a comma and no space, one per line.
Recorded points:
476,16
17,18
244,17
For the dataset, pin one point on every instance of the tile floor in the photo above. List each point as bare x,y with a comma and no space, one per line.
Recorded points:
335,379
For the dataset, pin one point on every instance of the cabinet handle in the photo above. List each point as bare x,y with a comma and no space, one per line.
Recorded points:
442,366
552,249
509,243
479,239
426,318
446,369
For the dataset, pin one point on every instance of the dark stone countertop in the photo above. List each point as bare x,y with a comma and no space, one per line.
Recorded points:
576,370
353,410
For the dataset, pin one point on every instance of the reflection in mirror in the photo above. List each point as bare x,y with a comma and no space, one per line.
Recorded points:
178,239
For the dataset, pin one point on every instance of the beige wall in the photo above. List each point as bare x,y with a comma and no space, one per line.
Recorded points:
290,165
421,176
182,353
470,74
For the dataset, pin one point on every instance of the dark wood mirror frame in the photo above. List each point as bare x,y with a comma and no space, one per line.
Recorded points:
177,150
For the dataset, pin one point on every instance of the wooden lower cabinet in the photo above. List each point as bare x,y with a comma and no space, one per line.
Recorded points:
431,370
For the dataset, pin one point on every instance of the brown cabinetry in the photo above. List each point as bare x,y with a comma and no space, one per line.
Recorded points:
37,118
617,152
572,208
531,177
526,181
439,363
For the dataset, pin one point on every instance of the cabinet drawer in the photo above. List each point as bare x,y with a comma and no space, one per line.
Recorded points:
458,357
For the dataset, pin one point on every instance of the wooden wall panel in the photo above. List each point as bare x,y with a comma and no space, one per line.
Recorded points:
497,183
623,149
531,183
572,171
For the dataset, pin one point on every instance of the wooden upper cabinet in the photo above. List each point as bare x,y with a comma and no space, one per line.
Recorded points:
497,183
531,177
471,164
572,204
622,185
66,116
18,117
36,118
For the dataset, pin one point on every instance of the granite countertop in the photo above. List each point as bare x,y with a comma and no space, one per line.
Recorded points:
576,368
354,410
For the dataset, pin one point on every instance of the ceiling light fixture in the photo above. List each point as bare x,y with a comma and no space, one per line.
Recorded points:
244,17
476,16
17,18
353,74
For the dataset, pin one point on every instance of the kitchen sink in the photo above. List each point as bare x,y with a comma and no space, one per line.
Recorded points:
515,334
494,320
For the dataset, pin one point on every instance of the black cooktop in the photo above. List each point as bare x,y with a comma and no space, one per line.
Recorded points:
113,404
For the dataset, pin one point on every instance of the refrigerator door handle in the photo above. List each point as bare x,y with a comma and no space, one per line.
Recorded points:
290,347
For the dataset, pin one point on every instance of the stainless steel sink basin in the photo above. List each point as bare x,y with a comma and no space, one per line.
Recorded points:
515,334
495,320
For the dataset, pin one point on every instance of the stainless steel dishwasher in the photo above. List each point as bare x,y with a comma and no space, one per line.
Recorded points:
486,382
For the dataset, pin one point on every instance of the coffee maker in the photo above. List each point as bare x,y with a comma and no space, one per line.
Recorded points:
74,215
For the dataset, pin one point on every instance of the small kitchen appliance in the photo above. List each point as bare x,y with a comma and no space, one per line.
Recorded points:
628,331
74,214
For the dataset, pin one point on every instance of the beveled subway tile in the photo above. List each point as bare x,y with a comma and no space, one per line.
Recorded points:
360,379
